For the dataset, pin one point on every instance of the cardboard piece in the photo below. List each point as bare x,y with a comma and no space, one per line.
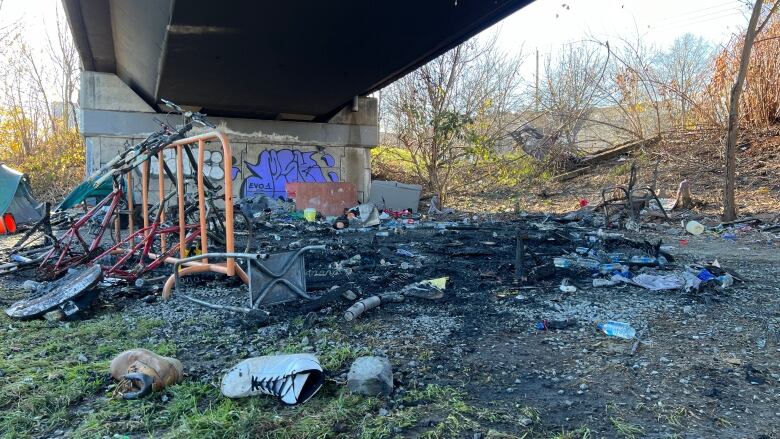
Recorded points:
328,198
394,195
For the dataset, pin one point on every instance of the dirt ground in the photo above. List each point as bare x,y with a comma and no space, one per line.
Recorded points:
695,156
470,364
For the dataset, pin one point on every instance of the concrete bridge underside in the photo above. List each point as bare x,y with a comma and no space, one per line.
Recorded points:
287,79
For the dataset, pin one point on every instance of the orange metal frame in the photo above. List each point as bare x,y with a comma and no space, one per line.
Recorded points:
229,267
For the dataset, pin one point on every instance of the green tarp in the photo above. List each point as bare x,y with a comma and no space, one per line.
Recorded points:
86,190
16,198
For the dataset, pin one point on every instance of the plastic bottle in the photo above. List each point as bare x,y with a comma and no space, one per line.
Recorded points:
617,329
599,282
644,260
562,262
694,228
590,264
405,253
726,280
582,250
609,268
31,285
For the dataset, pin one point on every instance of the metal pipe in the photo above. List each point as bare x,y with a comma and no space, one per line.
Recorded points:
520,258
180,190
229,268
161,188
145,194
199,268
202,200
228,171
130,207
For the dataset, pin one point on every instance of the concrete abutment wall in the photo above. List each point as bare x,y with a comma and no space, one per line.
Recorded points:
266,154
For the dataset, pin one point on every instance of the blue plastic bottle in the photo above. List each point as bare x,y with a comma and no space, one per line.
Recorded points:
609,268
643,260
617,329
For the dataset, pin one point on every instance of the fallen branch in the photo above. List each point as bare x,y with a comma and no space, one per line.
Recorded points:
636,343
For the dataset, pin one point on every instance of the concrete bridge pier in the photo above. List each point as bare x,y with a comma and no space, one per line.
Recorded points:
266,153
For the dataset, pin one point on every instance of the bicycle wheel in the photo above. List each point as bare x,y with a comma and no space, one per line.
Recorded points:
243,231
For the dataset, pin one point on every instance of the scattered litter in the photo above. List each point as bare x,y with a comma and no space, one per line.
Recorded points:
567,287
555,324
310,214
361,306
654,282
405,253
370,376
600,282
72,293
617,329
694,227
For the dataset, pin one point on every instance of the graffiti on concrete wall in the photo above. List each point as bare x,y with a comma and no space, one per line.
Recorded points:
276,167
213,164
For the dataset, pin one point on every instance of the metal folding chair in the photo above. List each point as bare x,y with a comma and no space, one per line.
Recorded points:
273,278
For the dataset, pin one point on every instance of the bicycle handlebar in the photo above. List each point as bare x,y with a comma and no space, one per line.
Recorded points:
189,116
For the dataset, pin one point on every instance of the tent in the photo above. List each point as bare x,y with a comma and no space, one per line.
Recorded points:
16,197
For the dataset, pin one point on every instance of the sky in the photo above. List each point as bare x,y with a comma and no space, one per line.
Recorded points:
544,24
548,24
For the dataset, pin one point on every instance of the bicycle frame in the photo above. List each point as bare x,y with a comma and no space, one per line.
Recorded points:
139,242
63,244
148,235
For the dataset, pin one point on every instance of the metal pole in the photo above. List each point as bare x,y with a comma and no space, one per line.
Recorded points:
202,200
180,191
520,258
145,194
161,186
130,207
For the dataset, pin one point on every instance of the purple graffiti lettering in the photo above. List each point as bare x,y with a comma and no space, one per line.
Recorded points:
275,168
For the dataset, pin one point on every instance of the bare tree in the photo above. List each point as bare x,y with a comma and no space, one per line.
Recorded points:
683,70
451,114
572,90
65,59
37,93
730,153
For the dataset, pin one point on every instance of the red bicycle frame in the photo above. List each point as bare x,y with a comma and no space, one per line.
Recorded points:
149,233
62,247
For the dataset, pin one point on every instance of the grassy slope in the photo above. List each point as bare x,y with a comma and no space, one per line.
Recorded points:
46,387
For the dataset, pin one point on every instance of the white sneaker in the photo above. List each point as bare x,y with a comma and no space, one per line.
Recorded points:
292,378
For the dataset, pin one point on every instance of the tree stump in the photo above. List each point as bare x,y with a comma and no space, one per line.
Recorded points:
684,199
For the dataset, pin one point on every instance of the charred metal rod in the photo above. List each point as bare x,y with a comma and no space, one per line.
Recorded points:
520,258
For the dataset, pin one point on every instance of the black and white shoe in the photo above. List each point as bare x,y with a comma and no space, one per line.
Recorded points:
292,378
